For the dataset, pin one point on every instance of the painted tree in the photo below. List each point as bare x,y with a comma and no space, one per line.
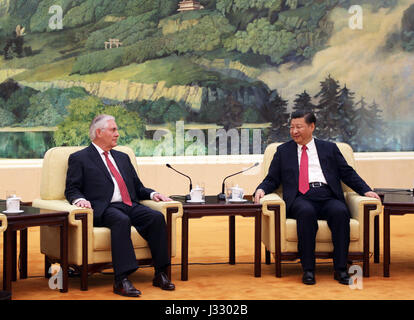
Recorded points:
275,111
303,102
327,110
346,110
365,134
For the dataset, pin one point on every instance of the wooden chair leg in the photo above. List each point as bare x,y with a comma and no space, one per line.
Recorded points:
84,278
267,257
47,267
278,266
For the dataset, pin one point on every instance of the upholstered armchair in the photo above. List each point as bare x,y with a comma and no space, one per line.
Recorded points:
279,233
89,246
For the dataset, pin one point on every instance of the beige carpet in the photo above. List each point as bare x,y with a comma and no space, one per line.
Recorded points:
209,244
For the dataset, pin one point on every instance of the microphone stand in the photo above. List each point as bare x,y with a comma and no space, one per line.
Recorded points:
187,196
221,196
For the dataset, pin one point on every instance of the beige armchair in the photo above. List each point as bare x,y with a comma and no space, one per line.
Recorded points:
3,220
279,233
89,246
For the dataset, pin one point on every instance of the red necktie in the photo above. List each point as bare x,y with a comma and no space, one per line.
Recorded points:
121,183
303,171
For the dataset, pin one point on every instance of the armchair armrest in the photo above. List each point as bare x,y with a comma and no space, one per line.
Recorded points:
273,221
64,205
273,199
356,205
162,207
3,219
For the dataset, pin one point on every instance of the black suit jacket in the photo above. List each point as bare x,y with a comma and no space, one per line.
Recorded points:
87,177
284,169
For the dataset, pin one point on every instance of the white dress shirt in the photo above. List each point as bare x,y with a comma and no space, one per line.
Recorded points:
314,167
116,196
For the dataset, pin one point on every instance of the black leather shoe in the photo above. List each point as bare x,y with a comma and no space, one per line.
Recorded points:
161,280
125,288
342,277
308,277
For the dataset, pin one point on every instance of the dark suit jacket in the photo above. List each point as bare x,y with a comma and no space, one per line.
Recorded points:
284,169
87,177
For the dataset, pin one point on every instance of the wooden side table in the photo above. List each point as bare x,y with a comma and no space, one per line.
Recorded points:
394,204
29,218
211,208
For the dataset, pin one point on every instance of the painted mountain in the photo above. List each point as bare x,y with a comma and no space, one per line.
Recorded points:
237,66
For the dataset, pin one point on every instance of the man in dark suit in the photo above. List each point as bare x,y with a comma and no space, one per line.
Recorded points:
311,171
106,181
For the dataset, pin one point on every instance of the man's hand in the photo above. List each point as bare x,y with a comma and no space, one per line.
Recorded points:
258,195
83,204
372,194
160,197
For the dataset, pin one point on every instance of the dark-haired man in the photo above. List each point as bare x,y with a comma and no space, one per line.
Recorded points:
311,171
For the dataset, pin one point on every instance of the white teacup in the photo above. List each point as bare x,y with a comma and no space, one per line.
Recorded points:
237,193
196,194
13,204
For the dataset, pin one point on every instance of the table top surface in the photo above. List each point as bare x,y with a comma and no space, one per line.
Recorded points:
212,201
29,212
406,199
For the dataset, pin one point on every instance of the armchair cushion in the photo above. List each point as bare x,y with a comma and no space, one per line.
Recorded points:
323,234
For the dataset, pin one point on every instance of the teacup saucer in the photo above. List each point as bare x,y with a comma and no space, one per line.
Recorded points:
17,211
237,200
195,201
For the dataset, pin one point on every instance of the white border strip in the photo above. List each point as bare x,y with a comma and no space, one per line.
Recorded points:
230,159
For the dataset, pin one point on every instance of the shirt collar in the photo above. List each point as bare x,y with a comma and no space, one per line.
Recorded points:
100,150
310,145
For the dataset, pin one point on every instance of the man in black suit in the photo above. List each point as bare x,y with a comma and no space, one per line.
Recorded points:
106,181
311,171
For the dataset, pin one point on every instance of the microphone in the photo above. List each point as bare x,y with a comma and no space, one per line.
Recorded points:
221,196
187,197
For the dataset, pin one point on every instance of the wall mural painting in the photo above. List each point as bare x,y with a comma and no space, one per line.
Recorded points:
205,77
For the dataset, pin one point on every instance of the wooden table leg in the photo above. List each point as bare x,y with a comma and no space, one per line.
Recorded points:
386,243
23,254
184,248
257,244
232,240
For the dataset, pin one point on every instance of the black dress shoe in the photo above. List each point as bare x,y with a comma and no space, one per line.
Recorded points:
308,277
342,277
161,280
125,288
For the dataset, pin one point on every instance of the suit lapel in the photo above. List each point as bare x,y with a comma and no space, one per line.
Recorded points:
96,158
293,159
119,163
